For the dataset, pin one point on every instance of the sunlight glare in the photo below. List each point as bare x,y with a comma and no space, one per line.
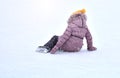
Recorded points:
44,5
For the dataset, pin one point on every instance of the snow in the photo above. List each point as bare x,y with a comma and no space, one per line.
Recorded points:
24,25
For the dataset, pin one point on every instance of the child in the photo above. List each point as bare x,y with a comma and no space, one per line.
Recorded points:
72,38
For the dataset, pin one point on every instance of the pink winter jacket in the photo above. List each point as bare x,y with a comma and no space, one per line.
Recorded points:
72,38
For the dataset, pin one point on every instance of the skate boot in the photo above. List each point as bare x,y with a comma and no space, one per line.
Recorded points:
42,49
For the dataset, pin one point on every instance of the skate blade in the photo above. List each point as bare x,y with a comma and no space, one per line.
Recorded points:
42,50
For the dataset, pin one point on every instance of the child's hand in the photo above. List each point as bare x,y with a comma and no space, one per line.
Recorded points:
92,49
52,52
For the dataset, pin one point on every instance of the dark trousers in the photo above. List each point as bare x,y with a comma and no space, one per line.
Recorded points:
51,43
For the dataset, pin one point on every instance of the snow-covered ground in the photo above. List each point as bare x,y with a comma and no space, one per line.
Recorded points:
26,24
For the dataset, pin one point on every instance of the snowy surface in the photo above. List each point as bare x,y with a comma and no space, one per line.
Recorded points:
26,24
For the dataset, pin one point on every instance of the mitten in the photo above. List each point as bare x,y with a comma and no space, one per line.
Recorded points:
54,50
91,48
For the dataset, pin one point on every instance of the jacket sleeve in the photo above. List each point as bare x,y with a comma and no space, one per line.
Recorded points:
89,39
62,39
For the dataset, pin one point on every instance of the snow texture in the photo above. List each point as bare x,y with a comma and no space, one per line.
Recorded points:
26,24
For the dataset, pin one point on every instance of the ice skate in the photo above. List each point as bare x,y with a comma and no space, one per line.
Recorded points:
42,49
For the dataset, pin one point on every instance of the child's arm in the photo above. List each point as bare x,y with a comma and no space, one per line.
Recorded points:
62,40
89,41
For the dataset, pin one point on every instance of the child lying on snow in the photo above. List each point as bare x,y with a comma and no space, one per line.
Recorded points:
72,38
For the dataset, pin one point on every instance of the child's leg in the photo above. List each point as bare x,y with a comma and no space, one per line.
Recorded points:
49,45
52,42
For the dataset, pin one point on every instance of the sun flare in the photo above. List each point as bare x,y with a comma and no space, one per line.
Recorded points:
44,5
